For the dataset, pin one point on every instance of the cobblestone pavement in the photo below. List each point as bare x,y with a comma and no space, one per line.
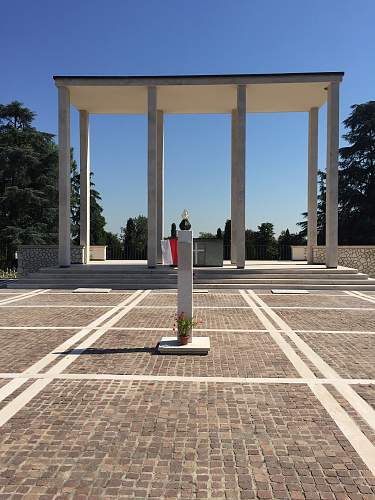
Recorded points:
283,406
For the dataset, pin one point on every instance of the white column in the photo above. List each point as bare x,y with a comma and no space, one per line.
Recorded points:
332,175
185,274
241,176
84,165
234,187
312,184
160,182
152,178
64,176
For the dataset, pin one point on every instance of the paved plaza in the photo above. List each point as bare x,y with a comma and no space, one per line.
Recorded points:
283,406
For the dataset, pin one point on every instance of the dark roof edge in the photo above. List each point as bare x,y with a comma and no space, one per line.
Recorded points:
235,75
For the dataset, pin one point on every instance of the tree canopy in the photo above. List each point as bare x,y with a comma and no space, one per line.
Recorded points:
356,181
28,179
98,234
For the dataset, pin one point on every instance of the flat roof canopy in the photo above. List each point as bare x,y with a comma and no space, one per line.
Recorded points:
199,94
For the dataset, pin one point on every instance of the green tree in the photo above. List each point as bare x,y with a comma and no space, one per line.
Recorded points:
129,232
28,179
173,231
227,232
321,212
207,236
219,233
97,220
357,177
265,239
356,181
135,232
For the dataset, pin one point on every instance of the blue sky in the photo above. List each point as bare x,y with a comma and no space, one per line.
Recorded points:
121,37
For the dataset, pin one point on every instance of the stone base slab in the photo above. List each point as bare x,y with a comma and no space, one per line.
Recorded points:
198,345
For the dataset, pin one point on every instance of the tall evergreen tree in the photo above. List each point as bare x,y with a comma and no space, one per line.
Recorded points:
356,181
97,220
219,233
28,179
357,177
173,231
227,232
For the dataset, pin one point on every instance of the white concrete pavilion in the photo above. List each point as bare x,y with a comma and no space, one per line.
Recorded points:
203,94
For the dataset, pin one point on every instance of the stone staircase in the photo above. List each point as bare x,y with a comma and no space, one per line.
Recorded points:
126,277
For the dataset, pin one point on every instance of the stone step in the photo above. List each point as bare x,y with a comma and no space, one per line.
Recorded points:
217,286
202,271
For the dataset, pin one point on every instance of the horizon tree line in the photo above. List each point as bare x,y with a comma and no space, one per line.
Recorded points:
29,190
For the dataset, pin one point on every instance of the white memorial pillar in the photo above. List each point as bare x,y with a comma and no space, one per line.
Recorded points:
160,182
240,162
185,274
84,165
152,235
332,175
64,176
312,232
234,187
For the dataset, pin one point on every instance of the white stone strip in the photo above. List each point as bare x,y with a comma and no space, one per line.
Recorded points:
325,308
92,293
290,353
150,329
157,329
22,296
40,327
311,292
336,331
40,306
359,404
69,343
48,358
195,307
360,295
22,399
179,378
69,358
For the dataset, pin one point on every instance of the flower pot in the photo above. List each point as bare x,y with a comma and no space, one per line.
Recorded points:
183,340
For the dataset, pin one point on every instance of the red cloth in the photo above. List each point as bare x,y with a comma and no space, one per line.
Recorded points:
174,251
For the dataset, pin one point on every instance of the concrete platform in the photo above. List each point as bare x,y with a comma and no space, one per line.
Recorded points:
170,345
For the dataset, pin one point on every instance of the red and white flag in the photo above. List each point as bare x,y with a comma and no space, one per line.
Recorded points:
169,252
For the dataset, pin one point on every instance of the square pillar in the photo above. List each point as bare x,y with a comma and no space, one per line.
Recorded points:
160,182
240,168
332,175
152,234
234,187
84,166
312,233
64,176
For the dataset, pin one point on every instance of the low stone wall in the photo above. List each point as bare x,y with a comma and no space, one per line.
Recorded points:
357,257
32,257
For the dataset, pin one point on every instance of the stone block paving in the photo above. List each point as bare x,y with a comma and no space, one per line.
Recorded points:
19,349
367,392
94,439
75,299
351,355
231,355
244,319
329,320
318,301
6,296
103,439
49,316
199,300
